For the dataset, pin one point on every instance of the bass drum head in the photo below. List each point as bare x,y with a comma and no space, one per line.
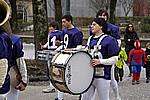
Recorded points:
79,73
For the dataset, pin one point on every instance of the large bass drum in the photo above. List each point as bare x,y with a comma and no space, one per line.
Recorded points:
71,72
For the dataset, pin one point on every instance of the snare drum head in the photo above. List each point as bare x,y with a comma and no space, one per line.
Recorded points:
79,73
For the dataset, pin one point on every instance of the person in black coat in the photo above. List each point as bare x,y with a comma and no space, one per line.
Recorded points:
147,65
129,38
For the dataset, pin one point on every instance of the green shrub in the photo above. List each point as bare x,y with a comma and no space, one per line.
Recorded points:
145,28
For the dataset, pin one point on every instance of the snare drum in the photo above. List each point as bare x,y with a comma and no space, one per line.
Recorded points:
45,54
71,72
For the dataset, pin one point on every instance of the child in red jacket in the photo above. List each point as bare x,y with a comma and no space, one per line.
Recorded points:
137,58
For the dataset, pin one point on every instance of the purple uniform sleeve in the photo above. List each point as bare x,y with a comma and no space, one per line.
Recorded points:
17,48
109,47
113,31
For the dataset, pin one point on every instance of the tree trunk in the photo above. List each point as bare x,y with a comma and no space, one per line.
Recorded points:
112,10
58,12
40,23
13,20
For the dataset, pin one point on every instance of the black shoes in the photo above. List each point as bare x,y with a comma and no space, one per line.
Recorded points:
133,82
58,99
137,82
130,75
120,78
147,81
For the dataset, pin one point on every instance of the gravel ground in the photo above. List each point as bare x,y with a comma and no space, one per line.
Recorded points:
127,90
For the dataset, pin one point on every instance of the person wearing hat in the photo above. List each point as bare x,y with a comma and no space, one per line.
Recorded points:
107,56
147,65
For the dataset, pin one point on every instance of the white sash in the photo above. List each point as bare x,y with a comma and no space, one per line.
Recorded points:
3,70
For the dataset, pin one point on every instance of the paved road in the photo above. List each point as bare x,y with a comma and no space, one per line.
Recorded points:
127,91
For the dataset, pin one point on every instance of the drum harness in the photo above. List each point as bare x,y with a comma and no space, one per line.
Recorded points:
95,53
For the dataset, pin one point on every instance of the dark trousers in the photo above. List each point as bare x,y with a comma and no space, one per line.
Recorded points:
127,52
118,74
130,69
148,71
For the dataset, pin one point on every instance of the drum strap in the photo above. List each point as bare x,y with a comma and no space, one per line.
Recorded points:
88,42
100,39
99,71
97,46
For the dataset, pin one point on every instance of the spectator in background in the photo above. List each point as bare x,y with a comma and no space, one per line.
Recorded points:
129,37
122,58
137,59
147,65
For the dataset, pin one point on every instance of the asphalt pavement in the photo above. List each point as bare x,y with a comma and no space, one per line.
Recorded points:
126,89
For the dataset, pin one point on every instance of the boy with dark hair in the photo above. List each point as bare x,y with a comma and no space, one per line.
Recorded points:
72,39
53,42
68,18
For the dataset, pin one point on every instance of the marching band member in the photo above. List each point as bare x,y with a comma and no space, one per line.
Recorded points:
5,59
5,50
21,83
113,31
54,36
107,56
72,39
18,71
54,40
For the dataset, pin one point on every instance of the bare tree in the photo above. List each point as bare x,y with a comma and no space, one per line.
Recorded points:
112,10
13,20
99,4
127,5
40,22
140,8
58,11
50,5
